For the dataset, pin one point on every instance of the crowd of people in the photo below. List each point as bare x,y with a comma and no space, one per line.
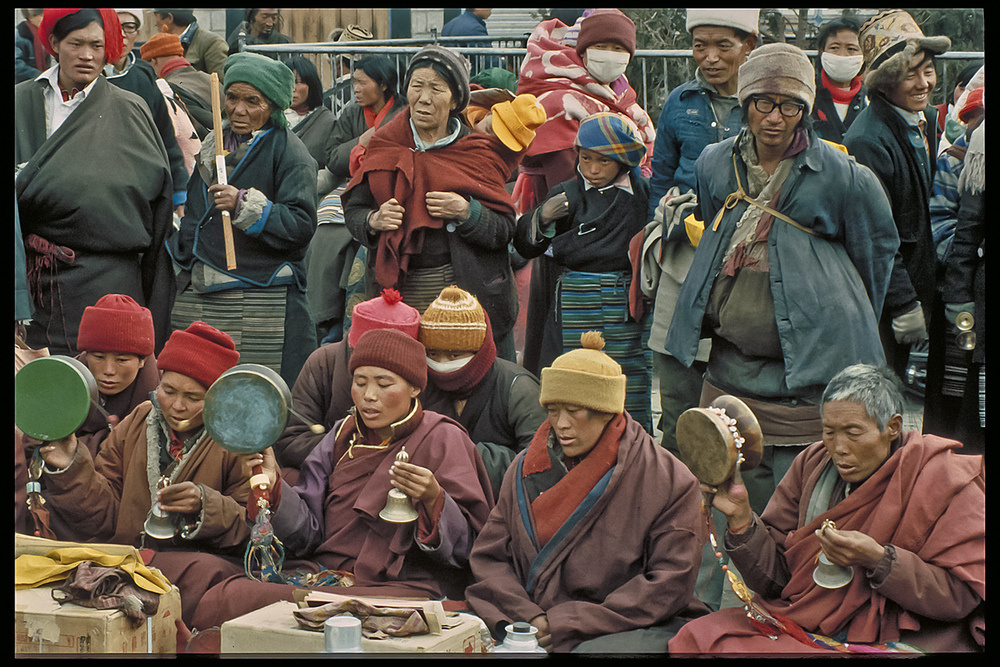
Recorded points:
788,233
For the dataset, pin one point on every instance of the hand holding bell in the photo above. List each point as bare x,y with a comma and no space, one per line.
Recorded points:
398,508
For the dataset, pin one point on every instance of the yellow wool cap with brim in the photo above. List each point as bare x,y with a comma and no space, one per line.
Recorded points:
515,121
586,377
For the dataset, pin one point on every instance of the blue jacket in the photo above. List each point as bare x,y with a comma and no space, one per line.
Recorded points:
687,124
465,23
828,287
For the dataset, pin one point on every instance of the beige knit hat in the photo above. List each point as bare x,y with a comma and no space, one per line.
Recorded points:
586,377
454,321
779,68
747,20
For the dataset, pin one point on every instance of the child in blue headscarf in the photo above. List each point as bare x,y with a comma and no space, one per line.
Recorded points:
580,235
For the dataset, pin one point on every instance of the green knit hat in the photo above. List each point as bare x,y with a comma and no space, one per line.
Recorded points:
271,77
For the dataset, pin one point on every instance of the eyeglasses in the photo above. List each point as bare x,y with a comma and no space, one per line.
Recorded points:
130,27
766,105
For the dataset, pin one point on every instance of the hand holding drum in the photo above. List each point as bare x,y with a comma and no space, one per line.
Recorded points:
716,443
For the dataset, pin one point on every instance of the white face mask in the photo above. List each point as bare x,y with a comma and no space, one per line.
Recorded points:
606,66
841,68
444,367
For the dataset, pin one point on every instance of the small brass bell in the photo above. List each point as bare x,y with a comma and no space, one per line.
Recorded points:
966,339
398,508
159,525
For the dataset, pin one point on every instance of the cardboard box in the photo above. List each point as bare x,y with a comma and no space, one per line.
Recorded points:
42,625
273,629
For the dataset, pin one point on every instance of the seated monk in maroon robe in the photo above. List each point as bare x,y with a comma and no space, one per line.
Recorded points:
331,517
908,513
597,534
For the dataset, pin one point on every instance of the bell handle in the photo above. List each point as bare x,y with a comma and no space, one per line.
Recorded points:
259,479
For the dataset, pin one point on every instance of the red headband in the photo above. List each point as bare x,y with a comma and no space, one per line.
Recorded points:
114,41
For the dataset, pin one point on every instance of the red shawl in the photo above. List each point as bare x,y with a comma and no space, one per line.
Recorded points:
476,165
925,498
550,510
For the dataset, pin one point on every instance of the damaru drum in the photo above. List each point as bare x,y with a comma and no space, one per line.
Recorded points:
712,441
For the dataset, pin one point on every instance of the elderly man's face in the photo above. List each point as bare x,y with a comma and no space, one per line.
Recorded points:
854,441
264,22
718,52
913,93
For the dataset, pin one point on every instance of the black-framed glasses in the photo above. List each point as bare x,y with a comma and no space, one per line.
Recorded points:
129,27
765,105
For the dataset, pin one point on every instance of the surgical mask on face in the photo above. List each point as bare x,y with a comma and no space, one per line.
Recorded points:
841,68
606,66
444,367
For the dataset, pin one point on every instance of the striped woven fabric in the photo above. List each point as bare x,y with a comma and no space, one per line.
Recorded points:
599,302
421,286
255,319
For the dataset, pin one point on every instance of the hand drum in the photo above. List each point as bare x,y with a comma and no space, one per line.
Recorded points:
246,409
713,441
53,396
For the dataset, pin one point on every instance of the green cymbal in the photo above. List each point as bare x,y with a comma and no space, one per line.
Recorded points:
52,397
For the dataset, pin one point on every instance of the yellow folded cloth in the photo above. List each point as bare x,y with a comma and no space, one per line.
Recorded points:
32,571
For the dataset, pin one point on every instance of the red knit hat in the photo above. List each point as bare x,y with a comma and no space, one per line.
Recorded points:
114,42
394,351
606,25
386,311
201,352
116,323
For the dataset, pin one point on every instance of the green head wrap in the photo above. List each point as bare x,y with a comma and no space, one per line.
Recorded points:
271,77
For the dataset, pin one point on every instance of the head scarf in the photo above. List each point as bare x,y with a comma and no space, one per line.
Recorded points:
271,77
114,43
612,135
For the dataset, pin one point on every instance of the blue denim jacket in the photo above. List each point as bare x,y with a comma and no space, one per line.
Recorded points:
687,124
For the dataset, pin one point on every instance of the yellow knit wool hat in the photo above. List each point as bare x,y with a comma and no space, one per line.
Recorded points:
586,377
454,321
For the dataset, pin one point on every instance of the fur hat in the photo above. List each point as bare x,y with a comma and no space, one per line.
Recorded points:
394,351
586,377
779,68
200,352
889,41
116,323
454,321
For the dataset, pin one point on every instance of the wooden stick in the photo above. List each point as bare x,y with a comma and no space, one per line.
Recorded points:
220,171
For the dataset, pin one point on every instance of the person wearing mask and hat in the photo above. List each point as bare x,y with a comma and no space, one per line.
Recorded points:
580,236
205,50
89,232
116,342
896,137
573,79
697,113
331,517
164,52
596,536
429,200
905,511
793,266
271,199
494,399
322,391
840,92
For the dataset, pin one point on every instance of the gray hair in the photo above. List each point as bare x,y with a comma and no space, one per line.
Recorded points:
875,387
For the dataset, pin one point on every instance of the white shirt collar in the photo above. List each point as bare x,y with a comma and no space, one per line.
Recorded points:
623,182
421,146
52,76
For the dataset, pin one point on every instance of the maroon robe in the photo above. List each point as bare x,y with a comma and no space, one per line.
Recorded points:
926,500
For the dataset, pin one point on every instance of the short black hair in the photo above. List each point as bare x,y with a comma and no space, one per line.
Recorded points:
382,70
834,26
182,17
310,76
76,21
965,76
